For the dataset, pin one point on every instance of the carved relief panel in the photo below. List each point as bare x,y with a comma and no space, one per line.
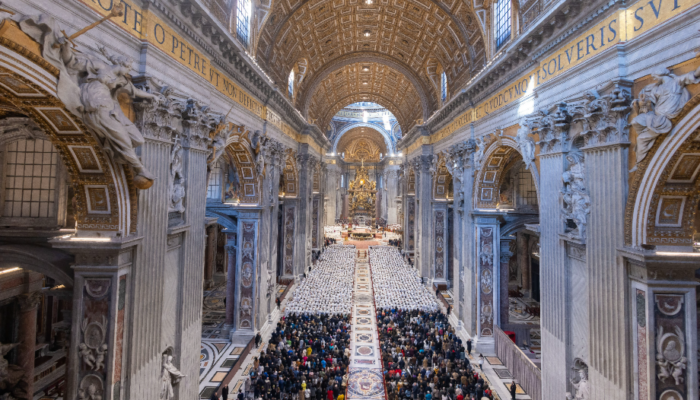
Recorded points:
411,226
246,304
671,347
440,243
289,221
314,222
486,261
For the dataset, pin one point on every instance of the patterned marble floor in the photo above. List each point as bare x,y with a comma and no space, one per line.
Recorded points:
365,373
217,355
215,361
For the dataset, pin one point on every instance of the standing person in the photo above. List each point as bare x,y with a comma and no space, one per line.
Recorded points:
258,339
469,347
481,362
277,300
214,396
224,393
513,388
241,396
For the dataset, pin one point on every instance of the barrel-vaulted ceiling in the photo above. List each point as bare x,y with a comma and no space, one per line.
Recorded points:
366,82
396,36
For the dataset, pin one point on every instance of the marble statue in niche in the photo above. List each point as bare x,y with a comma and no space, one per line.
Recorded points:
574,197
169,376
525,143
658,103
579,382
177,180
88,87
232,191
479,152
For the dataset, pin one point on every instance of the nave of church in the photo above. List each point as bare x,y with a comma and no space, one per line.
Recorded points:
191,188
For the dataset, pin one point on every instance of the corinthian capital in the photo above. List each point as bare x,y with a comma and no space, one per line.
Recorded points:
29,301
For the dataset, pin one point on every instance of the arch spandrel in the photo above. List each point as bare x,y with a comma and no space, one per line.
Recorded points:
105,196
662,205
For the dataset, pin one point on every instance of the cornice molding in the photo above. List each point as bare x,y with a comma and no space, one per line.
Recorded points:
522,54
228,54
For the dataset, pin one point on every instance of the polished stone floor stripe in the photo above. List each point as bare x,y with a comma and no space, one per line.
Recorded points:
365,373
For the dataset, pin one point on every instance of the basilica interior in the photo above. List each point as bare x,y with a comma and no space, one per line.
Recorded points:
459,199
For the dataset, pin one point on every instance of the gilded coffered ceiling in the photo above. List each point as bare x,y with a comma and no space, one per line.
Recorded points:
400,35
366,82
362,143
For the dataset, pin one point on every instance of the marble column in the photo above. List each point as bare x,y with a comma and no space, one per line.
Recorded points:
231,247
333,206
424,232
606,164
210,257
391,194
306,163
461,168
504,259
523,259
28,307
553,276
161,124
289,227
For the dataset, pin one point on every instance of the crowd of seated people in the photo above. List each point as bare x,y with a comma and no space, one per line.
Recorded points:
328,287
306,359
424,359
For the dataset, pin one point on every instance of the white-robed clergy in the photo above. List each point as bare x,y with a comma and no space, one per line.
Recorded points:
397,284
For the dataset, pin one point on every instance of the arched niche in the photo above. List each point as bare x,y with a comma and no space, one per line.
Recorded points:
500,159
289,185
442,180
411,181
243,182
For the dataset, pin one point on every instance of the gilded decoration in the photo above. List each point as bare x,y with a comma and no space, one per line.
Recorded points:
366,81
362,143
675,197
289,178
243,183
489,185
442,179
678,178
82,155
407,33
362,193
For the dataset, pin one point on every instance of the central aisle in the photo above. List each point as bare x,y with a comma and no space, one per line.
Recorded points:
365,376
